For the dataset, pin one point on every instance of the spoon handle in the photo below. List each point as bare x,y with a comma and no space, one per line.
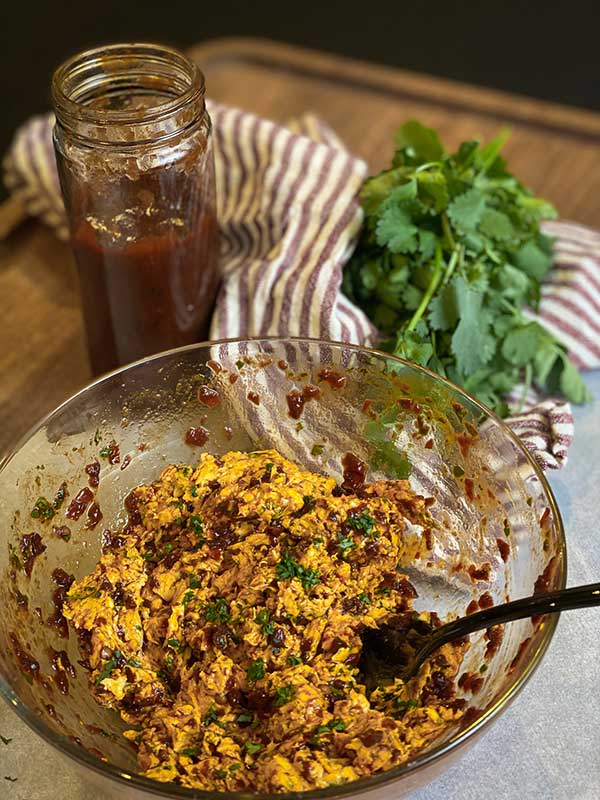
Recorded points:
547,603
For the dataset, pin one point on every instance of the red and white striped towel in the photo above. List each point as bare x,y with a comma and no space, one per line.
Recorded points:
289,219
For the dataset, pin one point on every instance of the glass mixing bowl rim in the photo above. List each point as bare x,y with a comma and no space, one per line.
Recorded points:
171,791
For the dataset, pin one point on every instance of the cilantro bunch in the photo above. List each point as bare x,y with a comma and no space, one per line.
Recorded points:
450,254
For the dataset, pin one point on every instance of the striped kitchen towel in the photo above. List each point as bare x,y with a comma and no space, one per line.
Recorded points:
289,219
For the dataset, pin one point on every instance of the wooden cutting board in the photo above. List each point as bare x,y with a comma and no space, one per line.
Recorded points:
553,149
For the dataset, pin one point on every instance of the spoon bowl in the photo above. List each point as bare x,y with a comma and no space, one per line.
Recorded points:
399,652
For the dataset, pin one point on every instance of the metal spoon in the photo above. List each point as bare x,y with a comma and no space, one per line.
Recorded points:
389,653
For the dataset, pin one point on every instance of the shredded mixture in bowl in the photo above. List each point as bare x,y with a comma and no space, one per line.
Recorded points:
224,625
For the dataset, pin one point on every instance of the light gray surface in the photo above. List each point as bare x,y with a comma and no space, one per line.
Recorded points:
547,745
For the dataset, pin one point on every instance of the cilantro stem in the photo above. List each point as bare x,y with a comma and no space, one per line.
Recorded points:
526,387
448,231
455,258
430,291
490,152
427,165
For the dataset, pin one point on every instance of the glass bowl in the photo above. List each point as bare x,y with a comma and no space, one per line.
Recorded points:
498,529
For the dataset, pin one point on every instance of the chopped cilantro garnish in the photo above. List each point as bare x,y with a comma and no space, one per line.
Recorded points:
458,471
218,611
406,705
42,510
284,694
294,660
194,490
176,645
197,524
336,725
266,623
190,752
364,598
253,747
234,767
189,595
210,716
345,542
221,773
168,548
363,522
88,591
105,452
109,666
194,582
256,670
239,363
317,449
289,568
245,717
59,497
299,426
309,502
318,541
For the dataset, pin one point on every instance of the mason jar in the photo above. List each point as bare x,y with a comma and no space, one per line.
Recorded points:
134,152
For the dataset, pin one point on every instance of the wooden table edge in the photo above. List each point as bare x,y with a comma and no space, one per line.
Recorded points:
361,74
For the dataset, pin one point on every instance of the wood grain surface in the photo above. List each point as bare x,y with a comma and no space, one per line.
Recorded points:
553,149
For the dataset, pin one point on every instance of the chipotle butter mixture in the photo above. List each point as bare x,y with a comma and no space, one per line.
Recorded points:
224,625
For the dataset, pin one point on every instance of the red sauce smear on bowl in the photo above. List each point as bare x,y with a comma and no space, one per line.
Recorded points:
197,436
31,547
79,504
481,573
355,472
57,620
208,397
94,516
295,401
333,378
503,549
62,668
26,661
93,471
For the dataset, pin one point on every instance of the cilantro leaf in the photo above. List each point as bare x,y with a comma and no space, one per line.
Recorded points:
256,670
396,231
496,225
422,143
533,260
284,694
466,210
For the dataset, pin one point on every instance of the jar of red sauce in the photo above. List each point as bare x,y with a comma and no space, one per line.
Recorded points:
134,153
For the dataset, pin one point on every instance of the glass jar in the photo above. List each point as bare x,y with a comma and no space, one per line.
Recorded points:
134,153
